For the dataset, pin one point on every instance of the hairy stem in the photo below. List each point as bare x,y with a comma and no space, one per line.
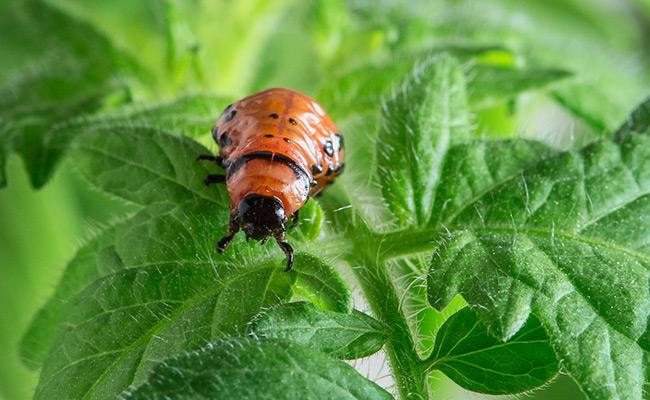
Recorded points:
384,301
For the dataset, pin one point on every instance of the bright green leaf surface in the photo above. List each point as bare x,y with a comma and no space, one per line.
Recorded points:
421,121
251,369
126,321
567,240
346,336
477,361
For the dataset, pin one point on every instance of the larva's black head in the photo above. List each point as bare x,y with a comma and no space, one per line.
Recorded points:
261,216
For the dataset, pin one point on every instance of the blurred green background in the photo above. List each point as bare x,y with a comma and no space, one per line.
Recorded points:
236,47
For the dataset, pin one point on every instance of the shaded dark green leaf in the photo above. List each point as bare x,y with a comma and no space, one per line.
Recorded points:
341,335
249,369
477,361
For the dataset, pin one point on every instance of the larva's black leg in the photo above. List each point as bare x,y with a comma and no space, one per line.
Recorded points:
214,178
224,242
210,157
288,250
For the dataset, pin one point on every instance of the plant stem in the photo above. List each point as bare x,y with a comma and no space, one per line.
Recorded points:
384,301
406,242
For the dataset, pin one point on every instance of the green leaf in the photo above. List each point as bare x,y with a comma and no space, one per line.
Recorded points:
568,240
249,369
493,79
188,116
310,221
638,122
425,118
144,165
488,86
73,70
473,169
477,361
241,301
319,282
345,336
127,321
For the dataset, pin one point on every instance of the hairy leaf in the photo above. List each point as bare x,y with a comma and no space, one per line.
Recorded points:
320,283
251,369
477,361
188,116
491,81
346,336
568,240
421,121
125,322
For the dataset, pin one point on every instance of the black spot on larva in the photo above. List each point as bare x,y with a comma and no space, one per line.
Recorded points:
329,172
231,115
293,121
274,116
328,147
268,135
228,107
316,169
313,183
224,140
341,143
215,133
286,139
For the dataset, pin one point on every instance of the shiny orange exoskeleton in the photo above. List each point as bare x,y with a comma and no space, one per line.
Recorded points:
278,148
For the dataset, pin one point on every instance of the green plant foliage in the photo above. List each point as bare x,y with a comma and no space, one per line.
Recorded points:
420,123
250,369
548,250
558,241
76,69
466,353
346,336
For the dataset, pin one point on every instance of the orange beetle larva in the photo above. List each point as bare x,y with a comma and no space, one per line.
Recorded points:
278,148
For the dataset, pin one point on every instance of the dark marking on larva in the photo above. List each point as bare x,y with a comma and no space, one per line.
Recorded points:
293,121
268,135
215,133
224,140
328,147
286,139
274,116
230,116
267,155
313,183
316,169
329,172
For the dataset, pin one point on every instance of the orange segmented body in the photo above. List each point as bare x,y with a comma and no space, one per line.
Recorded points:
278,148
